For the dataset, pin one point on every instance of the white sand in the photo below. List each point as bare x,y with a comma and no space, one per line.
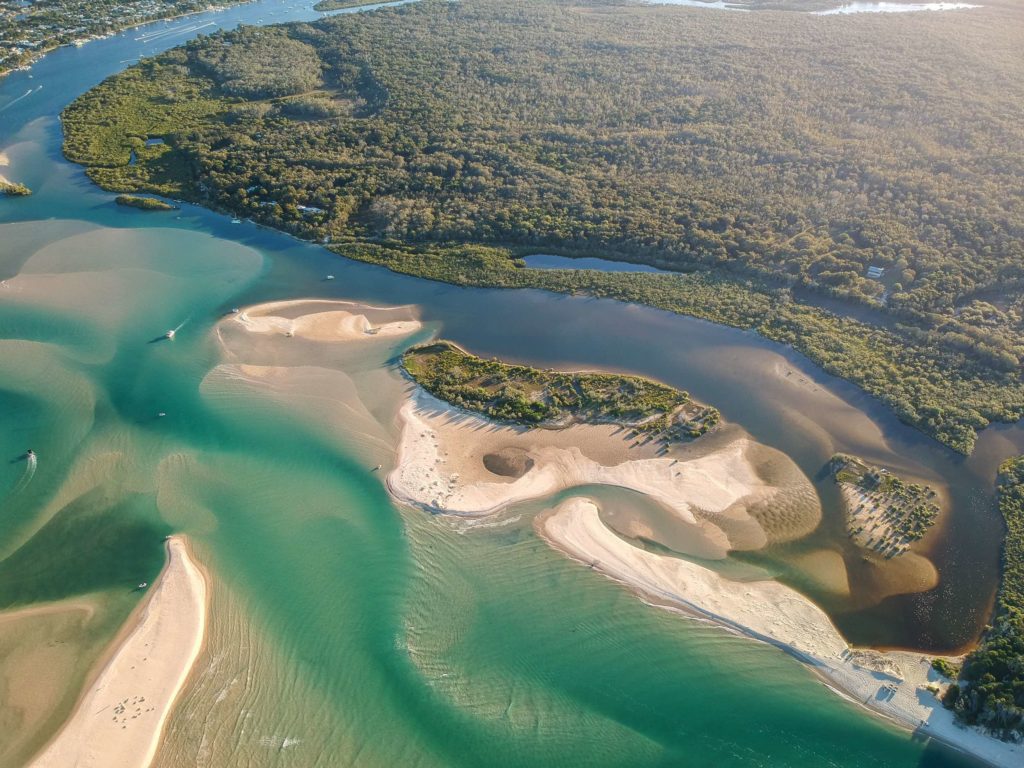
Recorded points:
773,613
440,469
121,716
333,325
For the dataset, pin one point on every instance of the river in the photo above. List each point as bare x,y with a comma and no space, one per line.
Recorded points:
341,624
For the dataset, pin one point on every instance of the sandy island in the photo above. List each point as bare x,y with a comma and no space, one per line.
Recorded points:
329,325
894,684
121,716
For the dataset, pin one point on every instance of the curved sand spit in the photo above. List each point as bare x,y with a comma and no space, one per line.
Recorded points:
120,717
893,684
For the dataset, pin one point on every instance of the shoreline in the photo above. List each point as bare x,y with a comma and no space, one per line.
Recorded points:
42,53
141,677
890,684
457,462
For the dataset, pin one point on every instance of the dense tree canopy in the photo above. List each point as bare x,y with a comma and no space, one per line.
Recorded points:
873,158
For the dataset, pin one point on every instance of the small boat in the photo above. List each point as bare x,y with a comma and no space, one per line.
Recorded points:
161,415
30,452
329,277
235,310
143,585
236,221
169,334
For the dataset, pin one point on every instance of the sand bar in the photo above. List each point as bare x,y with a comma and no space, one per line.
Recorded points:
331,325
717,492
894,684
122,713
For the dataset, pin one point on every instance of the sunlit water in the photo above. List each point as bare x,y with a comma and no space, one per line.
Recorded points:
844,9
345,630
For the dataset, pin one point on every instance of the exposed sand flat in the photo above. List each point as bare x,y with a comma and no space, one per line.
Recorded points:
893,684
331,325
444,453
120,718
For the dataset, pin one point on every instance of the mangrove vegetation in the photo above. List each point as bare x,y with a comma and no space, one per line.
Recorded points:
770,159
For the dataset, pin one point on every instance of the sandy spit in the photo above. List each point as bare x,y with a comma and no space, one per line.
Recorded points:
122,713
893,684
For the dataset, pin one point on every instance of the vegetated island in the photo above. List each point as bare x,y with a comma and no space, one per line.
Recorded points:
14,189
532,397
990,692
144,203
883,512
337,5
406,137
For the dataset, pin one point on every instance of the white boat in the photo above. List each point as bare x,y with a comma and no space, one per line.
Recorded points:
169,334
143,585
236,221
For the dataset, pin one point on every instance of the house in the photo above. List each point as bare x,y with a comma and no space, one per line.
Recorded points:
875,272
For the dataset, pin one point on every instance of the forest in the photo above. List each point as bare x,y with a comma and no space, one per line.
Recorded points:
523,395
775,160
991,686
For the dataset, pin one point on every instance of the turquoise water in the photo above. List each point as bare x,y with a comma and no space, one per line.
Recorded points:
345,630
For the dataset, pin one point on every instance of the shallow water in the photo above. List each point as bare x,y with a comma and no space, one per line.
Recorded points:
343,625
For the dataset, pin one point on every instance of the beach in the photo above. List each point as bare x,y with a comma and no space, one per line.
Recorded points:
459,463
894,684
124,709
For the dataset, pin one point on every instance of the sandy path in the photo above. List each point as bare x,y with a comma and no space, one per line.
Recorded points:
894,684
121,716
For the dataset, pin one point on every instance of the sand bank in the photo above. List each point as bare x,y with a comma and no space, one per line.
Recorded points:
459,463
120,718
331,325
893,684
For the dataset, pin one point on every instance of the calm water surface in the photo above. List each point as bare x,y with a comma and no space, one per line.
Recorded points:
348,631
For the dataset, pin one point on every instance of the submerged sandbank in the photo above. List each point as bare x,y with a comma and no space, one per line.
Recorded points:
894,684
122,713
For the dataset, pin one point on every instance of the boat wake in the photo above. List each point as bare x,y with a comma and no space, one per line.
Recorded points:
26,477
25,95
